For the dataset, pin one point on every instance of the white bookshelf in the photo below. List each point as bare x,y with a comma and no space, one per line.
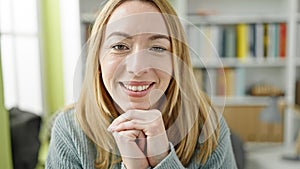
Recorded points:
226,12
289,130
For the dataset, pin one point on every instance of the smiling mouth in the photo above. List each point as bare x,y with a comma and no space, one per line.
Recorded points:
136,87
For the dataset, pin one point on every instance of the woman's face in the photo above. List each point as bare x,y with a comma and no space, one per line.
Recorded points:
135,58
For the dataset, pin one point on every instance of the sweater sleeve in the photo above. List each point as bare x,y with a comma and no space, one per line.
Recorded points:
221,158
171,161
62,152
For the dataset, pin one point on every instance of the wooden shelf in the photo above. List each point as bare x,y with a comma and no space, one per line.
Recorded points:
235,19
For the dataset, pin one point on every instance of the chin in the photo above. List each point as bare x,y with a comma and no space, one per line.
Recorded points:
137,106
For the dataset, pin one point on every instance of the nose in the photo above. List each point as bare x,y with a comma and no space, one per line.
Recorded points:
136,63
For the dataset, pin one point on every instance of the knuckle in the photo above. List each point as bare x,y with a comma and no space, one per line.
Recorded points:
155,129
157,113
129,114
126,136
133,122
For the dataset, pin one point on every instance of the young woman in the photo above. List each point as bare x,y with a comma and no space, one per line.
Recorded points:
140,106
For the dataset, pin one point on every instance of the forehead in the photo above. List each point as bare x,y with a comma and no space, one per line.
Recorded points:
136,17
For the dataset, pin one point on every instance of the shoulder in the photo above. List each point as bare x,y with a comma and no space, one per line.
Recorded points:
222,156
69,141
224,129
65,119
66,126
224,142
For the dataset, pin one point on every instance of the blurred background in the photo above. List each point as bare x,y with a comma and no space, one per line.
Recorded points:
245,54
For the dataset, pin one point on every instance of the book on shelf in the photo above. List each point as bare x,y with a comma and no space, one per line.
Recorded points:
259,39
221,82
241,41
276,34
210,83
240,75
282,40
251,36
226,82
266,40
273,45
206,79
229,42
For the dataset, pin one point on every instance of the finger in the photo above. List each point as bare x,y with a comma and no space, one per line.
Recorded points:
127,135
129,125
150,122
117,121
127,116
126,142
146,115
135,136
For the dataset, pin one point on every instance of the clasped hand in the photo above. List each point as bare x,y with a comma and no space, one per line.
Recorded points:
141,138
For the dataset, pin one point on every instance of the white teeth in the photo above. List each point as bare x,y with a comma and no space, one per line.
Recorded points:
140,88
136,88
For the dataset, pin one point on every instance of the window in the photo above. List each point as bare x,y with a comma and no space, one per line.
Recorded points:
20,54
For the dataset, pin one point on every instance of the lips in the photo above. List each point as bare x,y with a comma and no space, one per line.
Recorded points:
137,89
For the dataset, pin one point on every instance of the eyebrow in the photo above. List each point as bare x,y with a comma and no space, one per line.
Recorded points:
154,37
120,34
159,36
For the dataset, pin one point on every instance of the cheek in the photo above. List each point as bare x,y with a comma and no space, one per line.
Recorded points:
105,71
107,67
166,73
165,79
111,68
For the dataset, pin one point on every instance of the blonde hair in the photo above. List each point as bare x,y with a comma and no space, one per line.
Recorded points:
187,113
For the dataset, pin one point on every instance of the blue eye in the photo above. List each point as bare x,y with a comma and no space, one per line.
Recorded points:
158,49
120,47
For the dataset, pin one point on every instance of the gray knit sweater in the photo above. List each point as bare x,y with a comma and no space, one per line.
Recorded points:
71,149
